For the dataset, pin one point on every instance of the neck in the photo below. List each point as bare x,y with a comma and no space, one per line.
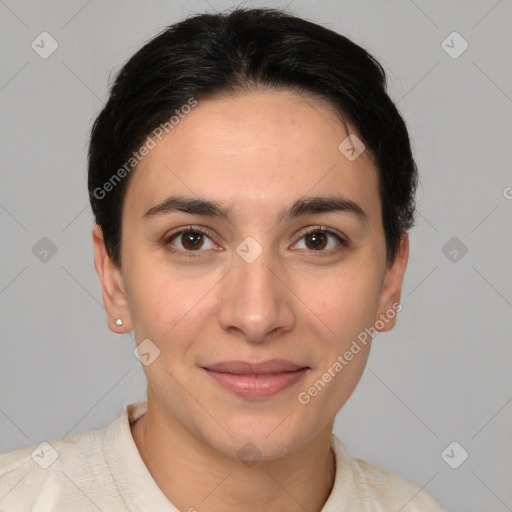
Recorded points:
196,477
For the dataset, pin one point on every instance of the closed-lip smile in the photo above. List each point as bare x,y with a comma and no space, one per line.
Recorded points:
256,380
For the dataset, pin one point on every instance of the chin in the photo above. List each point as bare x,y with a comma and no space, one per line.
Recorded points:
266,438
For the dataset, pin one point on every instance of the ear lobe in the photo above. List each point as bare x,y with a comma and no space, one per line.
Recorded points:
389,301
112,285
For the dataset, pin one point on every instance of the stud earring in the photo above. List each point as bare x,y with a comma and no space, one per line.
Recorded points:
118,321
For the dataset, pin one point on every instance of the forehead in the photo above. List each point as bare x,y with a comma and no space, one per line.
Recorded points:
258,149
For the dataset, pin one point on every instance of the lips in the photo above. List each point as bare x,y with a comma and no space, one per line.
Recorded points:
256,380
263,368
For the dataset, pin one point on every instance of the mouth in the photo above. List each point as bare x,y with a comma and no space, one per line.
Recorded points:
254,381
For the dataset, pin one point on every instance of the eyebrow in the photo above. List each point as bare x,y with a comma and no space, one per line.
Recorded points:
303,206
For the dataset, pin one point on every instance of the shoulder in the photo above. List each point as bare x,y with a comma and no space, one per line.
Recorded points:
46,453
381,489
391,490
43,473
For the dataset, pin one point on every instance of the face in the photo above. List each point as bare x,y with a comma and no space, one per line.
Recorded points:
248,237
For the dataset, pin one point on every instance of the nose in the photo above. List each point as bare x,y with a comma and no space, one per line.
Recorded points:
256,304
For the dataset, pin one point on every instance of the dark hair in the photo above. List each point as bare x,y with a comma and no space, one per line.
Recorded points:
247,49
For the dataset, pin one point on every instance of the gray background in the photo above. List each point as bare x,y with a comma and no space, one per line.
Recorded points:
442,375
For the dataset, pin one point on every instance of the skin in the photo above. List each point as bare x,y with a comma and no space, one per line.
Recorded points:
254,153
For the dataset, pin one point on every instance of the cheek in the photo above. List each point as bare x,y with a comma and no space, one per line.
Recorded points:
345,305
164,304
332,385
344,301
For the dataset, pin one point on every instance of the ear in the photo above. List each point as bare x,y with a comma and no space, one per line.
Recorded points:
112,285
389,301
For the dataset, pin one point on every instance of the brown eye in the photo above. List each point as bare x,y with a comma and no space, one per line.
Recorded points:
192,240
320,240
189,240
316,241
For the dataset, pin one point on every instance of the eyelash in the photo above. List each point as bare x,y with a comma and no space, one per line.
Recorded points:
192,229
176,234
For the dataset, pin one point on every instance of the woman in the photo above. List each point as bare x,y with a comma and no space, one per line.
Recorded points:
252,185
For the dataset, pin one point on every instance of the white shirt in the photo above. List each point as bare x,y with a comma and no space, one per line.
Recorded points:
102,470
